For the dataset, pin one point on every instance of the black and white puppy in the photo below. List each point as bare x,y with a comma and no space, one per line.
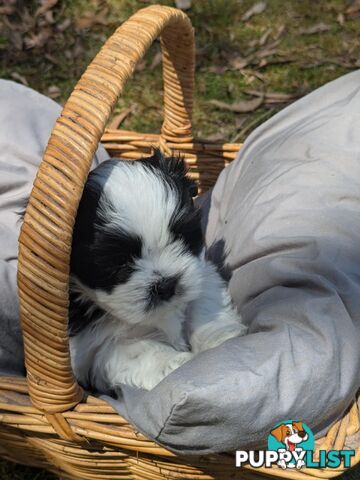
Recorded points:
143,299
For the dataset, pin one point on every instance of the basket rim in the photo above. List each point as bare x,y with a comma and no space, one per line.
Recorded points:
46,232
58,187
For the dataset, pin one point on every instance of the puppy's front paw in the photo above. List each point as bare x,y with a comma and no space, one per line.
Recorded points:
212,335
171,364
224,334
178,360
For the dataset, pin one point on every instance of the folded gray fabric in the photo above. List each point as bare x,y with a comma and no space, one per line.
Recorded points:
285,216
26,121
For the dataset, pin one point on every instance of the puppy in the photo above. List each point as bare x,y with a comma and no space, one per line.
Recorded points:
143,299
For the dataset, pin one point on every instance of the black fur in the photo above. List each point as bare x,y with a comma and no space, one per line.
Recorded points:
186,221
174,171
81,314
91,262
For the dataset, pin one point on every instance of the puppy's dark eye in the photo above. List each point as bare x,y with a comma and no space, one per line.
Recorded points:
113,255
124,272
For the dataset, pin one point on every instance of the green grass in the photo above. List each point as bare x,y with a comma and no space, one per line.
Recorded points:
221,36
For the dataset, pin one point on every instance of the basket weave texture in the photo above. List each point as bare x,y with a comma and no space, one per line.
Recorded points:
46,420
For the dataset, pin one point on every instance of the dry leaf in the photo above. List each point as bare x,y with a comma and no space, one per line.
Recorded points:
54,91
49,17
52,59
341,19
256,9
243,106
263,40
141,65
89,19
215,138
45,6
61,27
238,63
264,37
7,10
354,9
249,73
264,62
218,69
183,4
240,121
257,58
39,40
342,62
318,28
280,32
117,120
20,78
272,97
156,60
266,52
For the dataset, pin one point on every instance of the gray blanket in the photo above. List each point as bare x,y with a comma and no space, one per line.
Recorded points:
26,121
285,217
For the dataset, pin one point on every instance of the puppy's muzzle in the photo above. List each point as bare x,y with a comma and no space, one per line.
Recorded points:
165,288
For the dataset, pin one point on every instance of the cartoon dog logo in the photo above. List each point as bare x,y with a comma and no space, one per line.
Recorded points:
291,435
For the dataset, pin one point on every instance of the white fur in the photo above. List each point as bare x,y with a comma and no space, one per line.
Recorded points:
130,345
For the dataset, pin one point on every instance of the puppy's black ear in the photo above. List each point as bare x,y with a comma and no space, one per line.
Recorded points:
178,170
174,167
87,218
86,215
193,188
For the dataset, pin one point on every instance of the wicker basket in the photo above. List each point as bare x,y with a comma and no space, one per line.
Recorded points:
46,420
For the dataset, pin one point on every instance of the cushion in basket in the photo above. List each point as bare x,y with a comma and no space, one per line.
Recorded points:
26,121
287,211
288,217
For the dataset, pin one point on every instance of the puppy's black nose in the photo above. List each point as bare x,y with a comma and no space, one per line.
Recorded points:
302,433
165,288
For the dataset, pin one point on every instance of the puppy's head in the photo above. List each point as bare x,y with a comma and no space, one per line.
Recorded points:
137,239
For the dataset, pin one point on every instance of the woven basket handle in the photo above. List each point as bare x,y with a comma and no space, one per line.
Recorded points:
45,239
